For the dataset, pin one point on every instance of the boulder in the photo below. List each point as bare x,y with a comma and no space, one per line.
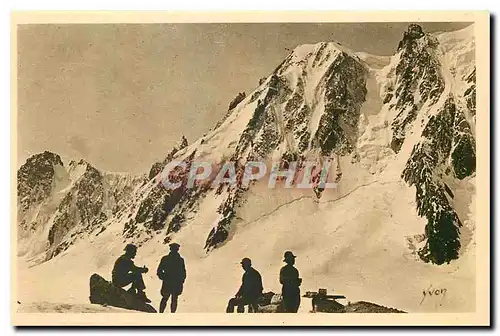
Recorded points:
105,293
369,307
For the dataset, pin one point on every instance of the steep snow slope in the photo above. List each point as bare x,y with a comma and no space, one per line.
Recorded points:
376,119
361,254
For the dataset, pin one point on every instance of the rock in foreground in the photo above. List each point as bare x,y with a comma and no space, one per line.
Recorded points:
105,293
368,307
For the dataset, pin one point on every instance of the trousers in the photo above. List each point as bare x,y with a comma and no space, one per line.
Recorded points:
130,278
241,302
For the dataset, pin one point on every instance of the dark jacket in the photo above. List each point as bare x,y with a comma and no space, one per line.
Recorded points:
123,266
289,278
172,269
251,284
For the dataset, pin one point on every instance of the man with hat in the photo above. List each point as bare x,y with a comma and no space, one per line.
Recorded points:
250,290
172,271
289,279
125,273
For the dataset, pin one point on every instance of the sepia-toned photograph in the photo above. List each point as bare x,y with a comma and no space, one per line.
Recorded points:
170,166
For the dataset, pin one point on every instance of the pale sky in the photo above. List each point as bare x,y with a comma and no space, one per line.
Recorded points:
120,96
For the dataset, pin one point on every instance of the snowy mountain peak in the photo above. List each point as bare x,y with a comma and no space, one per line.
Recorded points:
36,178
414,32
295,106
59,204
306,52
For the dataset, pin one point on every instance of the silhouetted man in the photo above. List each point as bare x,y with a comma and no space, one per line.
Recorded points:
289,279
125,273
250,290
172,271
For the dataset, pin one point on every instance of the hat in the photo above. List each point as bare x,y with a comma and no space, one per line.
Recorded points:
174,246
130,247
287,255
246,261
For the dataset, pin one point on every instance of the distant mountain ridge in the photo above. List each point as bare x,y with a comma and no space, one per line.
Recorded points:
62,203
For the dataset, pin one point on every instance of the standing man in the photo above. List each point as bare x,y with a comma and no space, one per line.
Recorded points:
250,290
172,271
125,273
289,279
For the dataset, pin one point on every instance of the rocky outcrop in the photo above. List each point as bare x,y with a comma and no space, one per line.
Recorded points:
418,81
413,33
445,149
161,201
158,166
220,231
36,178
470,92
238,99
345,93
105,293
463,154
363,307
446,135
81,207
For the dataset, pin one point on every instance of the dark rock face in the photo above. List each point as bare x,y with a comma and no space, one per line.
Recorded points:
64,220
447,147
264,110
160,203
463,155
35,178
80,207
295,112
152,211
220,232
156,168
414,32
105,293
446,134
418,81
239,97
159,166
470,92
252,128
89,199
345,93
